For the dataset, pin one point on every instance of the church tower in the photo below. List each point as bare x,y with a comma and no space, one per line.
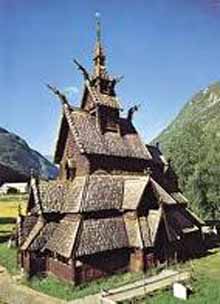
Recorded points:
102,88
106,212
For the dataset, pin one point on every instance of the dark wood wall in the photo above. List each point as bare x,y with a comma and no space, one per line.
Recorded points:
62,270
72,153
102,264
88,164
117,165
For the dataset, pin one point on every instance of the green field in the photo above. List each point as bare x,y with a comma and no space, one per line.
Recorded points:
9,212
9,205
205,282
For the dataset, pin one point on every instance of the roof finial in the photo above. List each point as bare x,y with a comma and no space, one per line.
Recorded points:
131,111
83,70
61,96
98,27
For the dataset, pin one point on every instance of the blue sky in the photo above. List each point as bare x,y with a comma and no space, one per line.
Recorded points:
166,49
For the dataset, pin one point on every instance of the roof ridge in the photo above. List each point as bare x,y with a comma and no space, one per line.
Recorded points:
77,237
122,180
160,191
159,213
93,93
74,130
33,233
35,189
84,192
96,96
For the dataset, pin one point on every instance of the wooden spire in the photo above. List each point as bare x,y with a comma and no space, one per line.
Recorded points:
99,59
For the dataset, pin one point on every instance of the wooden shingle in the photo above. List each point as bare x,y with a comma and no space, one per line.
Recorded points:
134,187
100,235
102,192
64,237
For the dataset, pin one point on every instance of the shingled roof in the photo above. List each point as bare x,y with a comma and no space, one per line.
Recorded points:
162,195
33,233
78,233
43,236
102,234
84,194
102,192
59,197
179,197
102,99
64,237
134,187
149,226
90,140
96,192
179,222
156,154
27,225
51,195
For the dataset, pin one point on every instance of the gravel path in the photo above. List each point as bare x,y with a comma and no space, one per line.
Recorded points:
12,292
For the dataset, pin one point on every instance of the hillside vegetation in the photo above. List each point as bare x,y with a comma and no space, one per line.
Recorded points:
17,159
192,141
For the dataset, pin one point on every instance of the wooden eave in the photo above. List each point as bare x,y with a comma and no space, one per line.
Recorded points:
62,137
84,96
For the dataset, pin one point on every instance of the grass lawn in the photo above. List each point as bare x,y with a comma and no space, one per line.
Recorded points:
8,258
205,283
56,288
67,291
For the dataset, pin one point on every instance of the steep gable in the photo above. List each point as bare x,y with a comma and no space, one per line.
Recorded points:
90,140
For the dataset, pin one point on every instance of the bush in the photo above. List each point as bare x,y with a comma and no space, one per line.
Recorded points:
12,190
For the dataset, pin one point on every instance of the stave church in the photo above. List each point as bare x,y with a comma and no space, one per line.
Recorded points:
116,205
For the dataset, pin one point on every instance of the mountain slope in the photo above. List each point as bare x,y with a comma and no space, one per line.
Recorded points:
203,109
17,159
192,141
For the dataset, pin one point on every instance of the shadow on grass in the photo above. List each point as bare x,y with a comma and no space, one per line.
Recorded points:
202,254
7,220
5,231
4,238
5,234
212,241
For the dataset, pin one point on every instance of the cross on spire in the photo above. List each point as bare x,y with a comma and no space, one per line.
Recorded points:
98,28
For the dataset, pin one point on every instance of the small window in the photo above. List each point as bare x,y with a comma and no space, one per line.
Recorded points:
70,169
110,119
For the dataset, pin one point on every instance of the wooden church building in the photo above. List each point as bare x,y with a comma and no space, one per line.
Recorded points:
115,206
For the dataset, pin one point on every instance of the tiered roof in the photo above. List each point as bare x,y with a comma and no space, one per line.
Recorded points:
102,212
78,233
97,98
97,192
102,234
90,139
